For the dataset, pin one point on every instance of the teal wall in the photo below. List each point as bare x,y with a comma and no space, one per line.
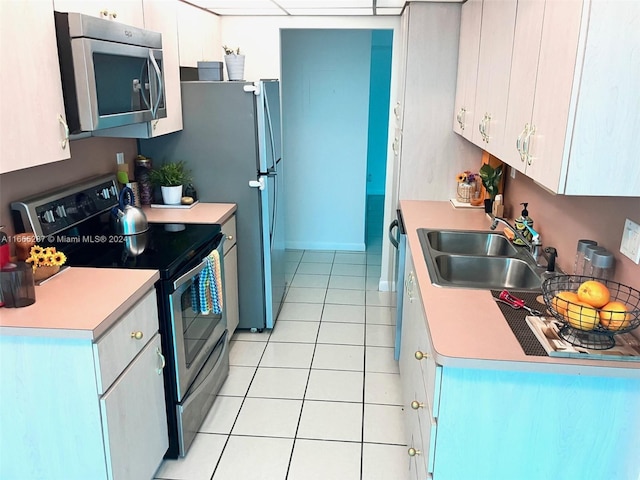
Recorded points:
379,95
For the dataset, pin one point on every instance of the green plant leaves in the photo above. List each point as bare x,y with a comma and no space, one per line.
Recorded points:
491,178
170,174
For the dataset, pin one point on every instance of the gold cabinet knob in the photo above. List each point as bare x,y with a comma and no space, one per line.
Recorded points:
420,355
229,237
413,452
137,335
416,405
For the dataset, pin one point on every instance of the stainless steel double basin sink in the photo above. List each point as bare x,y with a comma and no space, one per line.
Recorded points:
478,260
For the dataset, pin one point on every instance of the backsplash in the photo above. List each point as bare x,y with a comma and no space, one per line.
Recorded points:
563,220
89,157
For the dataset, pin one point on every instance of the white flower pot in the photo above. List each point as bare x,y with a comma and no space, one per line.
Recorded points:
235,66
172,195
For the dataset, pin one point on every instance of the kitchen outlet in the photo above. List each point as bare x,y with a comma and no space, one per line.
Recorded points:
630,245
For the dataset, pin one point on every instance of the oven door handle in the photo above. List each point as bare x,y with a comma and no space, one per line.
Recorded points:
198,268
189,275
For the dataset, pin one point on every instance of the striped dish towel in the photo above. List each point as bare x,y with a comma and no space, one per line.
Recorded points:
210,286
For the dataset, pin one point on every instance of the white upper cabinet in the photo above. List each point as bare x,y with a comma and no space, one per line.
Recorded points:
494,65
33,125
198,36
161,16
128,12
573,97
469,49
598,154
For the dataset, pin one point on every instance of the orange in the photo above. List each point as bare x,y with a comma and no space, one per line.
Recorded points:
615,316
594,293
582,316
562,299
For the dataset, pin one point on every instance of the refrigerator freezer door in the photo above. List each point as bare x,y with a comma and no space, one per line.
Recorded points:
271,169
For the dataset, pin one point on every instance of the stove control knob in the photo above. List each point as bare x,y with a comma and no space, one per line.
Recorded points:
113,189
48,216
104,194
60,211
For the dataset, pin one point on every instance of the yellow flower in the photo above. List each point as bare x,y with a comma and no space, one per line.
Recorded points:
41,260
50,250
36,250
58,258
461,177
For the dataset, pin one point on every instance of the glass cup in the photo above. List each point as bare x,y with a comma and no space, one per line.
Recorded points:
16,283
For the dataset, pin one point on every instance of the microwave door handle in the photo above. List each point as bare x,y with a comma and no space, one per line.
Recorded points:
154,110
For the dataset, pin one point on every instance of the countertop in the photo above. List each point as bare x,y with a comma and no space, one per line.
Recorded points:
78,303
83,303
466,326
199,213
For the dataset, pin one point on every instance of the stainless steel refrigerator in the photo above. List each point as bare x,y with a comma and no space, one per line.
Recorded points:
231,142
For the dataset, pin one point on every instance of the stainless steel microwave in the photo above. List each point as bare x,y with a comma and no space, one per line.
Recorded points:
112,73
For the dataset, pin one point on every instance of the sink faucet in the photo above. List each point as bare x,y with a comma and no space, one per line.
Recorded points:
534,245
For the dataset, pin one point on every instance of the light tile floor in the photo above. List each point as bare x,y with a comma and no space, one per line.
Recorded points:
319,396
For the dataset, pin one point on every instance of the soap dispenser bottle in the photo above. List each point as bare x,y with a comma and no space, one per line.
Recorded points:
520,225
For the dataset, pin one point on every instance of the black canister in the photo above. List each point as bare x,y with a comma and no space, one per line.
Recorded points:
142,173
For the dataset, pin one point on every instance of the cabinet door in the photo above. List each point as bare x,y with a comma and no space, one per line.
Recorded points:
31,94
468,52
161,16
494,65
134,417
554,89
231,289
128,12
522,86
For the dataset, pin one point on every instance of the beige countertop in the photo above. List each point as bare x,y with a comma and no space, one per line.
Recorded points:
199,213
84,302
78,303
466,326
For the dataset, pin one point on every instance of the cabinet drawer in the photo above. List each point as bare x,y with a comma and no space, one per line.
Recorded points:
229,230
122,342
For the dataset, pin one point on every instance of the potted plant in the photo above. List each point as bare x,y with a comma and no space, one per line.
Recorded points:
171,177
491,181
234,62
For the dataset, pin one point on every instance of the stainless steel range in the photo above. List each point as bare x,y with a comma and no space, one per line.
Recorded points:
77,220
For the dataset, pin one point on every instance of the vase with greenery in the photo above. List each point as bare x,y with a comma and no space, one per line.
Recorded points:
234,61
491,182
171,177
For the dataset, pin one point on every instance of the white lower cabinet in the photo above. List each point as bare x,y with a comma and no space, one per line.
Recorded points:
420,379
231,275
134,418
486,420
67,414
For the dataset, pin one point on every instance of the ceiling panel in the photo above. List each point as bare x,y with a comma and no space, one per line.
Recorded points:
305,7
300,7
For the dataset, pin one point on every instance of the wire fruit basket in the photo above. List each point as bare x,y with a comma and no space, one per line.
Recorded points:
587,326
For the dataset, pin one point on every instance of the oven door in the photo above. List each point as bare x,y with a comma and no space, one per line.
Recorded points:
116,84
195,334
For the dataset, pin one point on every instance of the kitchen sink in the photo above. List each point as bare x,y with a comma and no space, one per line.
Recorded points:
486,272
469,242
479,260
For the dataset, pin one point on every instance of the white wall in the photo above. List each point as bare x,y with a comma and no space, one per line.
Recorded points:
259,37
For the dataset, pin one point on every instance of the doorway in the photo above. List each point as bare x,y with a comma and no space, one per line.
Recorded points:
379,97
335,135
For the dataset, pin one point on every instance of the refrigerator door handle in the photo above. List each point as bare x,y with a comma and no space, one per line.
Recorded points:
255,88
259,184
